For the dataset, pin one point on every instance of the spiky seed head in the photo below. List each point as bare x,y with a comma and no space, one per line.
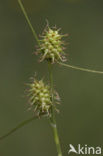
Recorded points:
40,97
51,46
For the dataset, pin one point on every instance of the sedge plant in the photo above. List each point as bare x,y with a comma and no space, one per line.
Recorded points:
42,95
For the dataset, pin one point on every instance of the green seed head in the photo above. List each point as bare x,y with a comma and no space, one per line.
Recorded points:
51,46
40,97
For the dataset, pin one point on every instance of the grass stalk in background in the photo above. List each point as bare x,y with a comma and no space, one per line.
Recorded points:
80,68
20,125
28,21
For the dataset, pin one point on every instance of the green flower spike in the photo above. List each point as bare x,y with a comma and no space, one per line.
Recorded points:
51,46
40,97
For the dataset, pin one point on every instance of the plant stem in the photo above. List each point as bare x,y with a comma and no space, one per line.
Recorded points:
81,69
30,25
52,118
55,133
20,125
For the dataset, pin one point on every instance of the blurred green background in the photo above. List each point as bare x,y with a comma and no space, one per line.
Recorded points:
81,110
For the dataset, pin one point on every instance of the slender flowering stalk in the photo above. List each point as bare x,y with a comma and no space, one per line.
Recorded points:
52,118
55,52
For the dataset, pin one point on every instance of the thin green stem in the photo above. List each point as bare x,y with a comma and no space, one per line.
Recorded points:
50,77
20,125
79,68
52,118
30,25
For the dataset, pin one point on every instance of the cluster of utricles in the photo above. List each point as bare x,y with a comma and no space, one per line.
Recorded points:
40,97
51,46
